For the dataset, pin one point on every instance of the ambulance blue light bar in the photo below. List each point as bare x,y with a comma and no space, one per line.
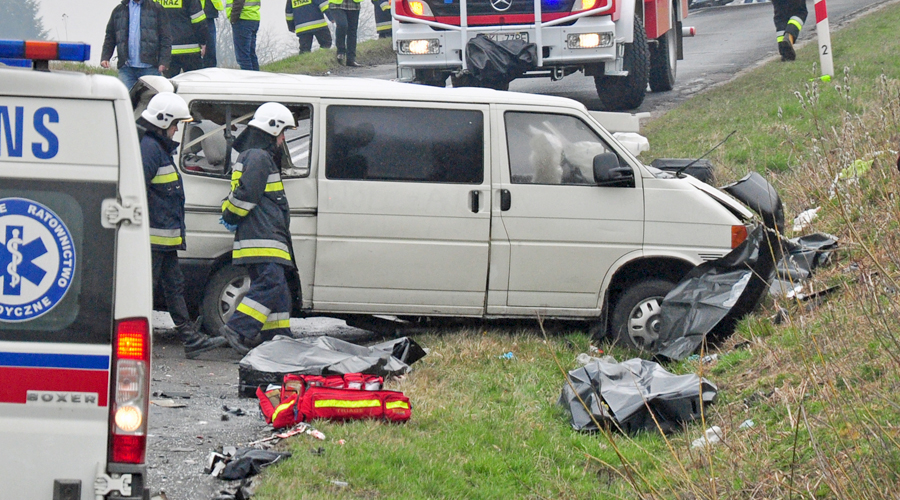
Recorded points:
44,51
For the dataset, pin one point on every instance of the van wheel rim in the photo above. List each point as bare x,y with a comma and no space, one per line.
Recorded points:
232,295
644,323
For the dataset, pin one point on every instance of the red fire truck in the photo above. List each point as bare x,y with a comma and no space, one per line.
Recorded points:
625,45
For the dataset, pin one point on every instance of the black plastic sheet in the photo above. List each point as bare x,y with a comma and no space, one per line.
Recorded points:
249,462
801,256
626,393
495,62
270,361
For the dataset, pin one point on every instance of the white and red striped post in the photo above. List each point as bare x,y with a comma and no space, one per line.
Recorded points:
823,33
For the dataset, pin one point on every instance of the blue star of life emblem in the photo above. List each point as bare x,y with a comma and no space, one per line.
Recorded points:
37,259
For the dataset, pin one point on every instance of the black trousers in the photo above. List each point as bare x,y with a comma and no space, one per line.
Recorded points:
168,277
323,35
183,62
346,25
784,11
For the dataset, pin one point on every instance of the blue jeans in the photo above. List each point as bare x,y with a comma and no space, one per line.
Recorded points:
129,74
244,35
209,60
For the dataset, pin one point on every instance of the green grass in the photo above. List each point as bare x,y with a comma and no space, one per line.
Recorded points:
822,387
320,62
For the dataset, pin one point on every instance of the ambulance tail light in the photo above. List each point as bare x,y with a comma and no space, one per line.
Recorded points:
130,392
738,235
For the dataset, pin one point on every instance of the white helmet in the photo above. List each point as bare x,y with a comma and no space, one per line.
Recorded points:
272,118
165,108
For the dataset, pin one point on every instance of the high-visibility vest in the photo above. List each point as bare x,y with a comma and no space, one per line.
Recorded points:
218,4
250,12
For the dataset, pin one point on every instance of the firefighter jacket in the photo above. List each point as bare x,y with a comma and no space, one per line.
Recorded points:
257,203
185,18
165,191
305,15
248,10
212,7
382,15
156,42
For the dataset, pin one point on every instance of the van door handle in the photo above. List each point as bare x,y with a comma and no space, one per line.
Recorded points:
475,198
505,200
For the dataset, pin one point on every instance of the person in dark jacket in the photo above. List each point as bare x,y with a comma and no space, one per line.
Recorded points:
187,23
382,18
137,30
306,18
789,18
257,211
165,204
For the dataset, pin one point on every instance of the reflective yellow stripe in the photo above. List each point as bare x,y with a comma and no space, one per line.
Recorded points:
164,179
176,52
275,186
281,323
396,404
796,22
260,252
339,403
281,408
166,240
231,207
253,313
300,29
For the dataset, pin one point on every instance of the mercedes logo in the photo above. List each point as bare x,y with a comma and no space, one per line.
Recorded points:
501,5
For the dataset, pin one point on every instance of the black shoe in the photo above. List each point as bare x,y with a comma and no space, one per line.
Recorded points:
234,340
195,342
354,64
786,48
341,58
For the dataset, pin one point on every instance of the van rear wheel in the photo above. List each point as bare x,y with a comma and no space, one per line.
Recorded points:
223,294
636,316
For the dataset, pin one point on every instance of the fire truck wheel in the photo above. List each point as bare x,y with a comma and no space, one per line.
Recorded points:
619,93
664,58
223,294
636,315
432,78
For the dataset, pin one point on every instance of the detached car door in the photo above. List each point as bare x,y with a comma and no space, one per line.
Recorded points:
404,209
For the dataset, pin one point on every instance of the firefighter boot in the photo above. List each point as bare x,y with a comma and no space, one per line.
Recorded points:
786,47
196,342
238,342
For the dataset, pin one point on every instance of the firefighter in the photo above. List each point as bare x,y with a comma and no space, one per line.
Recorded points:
244,18
789,18
257,211
165,202
187,25
306,18
211,8
382,18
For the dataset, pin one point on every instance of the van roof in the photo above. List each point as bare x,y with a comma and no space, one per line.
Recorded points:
65,84
230,81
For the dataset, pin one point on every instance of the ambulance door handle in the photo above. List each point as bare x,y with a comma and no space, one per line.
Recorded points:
505,200
475,198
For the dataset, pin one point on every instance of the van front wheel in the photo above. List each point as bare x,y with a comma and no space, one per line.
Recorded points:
636,315
223,294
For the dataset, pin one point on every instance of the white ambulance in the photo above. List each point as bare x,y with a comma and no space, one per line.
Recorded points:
75,283
414,201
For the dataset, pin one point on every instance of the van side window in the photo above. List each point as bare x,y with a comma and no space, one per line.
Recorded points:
206,140
551,149
404,144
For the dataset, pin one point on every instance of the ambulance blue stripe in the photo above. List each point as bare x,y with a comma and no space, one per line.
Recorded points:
35,360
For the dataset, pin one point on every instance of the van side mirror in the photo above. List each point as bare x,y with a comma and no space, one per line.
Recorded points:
608,172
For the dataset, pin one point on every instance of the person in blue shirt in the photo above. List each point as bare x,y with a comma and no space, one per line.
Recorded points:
138,31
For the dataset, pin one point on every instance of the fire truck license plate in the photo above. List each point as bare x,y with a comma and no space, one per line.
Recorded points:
502,37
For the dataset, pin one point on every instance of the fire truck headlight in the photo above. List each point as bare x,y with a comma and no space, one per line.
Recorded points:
420,47
589,40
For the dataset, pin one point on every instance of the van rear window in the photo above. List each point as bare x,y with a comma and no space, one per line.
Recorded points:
56,262
404,144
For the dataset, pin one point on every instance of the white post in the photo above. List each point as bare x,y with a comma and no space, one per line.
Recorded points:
824,38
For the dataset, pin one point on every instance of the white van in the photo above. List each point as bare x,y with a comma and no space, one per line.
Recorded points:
414,201
75,283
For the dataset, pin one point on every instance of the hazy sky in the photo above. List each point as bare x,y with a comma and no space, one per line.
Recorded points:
85,21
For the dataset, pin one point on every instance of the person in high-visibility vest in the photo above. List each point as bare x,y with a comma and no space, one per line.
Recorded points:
345,14
789,18
306,18
244,17
382,18
211,8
